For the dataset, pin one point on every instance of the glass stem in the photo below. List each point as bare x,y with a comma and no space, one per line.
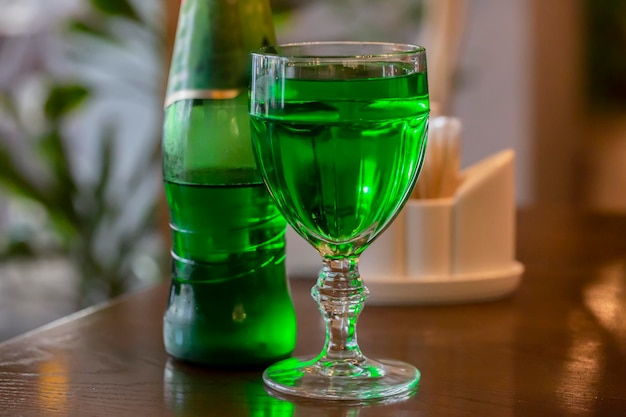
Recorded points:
340,295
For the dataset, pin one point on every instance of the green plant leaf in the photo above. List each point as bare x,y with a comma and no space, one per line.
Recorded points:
107,160
7,105
121,8
54,153
85,28
63,99
13,179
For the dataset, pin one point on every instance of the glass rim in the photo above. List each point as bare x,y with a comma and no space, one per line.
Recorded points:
395,49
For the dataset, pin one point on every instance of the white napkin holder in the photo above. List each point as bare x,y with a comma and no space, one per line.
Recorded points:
457,249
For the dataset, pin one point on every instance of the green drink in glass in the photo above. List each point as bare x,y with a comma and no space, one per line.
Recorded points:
339,133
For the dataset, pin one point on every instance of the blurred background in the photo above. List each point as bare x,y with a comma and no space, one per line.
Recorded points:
82,217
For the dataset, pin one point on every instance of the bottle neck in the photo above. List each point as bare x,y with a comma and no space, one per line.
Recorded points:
214,38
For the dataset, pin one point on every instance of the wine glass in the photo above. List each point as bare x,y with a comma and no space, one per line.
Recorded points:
339,133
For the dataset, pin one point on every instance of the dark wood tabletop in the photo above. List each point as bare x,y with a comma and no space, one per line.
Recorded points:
556,347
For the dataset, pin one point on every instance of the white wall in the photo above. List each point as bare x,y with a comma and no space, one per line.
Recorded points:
494,86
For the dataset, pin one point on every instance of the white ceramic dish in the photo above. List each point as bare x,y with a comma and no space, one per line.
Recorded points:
479,286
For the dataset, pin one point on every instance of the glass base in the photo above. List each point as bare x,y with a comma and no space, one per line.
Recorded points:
366,379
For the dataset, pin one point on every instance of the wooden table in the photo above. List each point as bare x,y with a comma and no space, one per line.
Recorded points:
557,347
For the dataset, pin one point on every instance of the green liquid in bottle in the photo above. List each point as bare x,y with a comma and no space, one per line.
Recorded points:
229,300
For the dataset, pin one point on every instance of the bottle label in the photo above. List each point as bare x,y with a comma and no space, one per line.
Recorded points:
202,94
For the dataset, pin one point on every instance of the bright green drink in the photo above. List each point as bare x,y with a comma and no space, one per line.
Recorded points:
228,303
340,169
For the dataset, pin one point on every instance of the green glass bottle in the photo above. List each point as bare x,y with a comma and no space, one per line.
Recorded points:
229,302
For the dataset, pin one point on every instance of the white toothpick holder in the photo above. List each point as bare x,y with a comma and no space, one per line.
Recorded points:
450,250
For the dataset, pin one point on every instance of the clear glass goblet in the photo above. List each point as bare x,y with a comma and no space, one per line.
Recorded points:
339,133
